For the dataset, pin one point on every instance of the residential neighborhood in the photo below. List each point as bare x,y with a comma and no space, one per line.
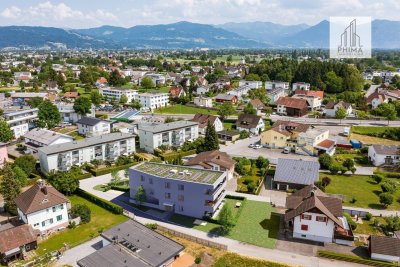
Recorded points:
218,153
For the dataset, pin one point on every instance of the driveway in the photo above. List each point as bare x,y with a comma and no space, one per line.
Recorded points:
278,198
71,256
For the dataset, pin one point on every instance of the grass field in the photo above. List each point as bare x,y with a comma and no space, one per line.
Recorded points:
373,140
366,130
101,220
235,260
368,228
228,125
254,225
362,188
181,109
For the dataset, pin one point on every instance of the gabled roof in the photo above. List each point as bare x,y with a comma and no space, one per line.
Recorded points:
89,121
215,157
248,121
289,127
332,104
319,94
291,102
39,197
176,91
225,97
16,237
203,119
386,150
385,245
309,198
45,136
71,95
293,171
257,104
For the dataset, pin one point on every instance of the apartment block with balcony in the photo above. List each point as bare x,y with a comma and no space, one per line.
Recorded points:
116,93
169,134
21,121
106,147
154,100
179,189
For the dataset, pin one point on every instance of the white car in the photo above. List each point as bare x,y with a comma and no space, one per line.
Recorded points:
251,145
257,146
286,150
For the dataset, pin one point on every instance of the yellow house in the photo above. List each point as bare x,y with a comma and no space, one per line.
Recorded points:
283,134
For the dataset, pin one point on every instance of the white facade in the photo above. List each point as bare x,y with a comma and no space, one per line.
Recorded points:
116,93
269,85
301,86
203,101
306,226
251,84
314,102
219,126
102,127
275,94
201,90
256,131
68,113
51,218
104,148
20,121
332,112
380,158
240,92
154,100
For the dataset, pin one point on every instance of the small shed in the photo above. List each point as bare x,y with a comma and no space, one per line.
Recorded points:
355,144
344,144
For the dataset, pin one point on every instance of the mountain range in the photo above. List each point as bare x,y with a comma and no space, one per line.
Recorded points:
187,35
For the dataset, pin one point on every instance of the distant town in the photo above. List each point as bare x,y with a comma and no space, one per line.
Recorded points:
199,158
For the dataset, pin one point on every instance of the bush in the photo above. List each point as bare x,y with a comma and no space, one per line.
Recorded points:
326,181
377,178
325,161
389,187
197,260
335,168
368,216
386,199
350,220
72,225
102,171
353,200
152,226
251,187
235,197
81,210
100,202
174,156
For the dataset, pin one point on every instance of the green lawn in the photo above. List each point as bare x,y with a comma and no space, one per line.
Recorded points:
228,125
101,220
362,188
181,109
359,159
236,260
367,130
368,227
254,225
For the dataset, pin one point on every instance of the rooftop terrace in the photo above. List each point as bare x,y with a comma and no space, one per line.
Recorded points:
179,172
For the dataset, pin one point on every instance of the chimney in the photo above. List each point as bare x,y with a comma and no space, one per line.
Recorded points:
44,190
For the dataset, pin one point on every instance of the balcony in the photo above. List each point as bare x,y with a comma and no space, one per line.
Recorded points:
213,192
212,203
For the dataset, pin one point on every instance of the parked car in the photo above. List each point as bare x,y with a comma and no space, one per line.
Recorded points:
286,150
257,146
251,145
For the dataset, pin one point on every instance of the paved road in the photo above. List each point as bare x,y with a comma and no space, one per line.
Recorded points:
375,212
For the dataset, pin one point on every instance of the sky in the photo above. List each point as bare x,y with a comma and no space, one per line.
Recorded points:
128,13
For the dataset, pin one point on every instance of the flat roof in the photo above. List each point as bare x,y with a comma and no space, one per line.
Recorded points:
87,142
158,128
178,172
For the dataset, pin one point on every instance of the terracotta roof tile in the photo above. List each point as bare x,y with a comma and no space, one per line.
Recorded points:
290,102
16,237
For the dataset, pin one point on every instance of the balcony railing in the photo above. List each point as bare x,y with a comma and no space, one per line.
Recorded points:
212,203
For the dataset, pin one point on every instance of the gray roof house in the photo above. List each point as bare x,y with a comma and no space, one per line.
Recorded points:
295,174
132,244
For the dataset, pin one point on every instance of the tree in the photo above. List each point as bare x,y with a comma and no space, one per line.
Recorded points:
20,175
27,163
211,141
10,188
116,79
225,110
333,82
48,116
6,134
377,178
82,211
226,219
65,182
140,195
325,160
136,104
262,162
115,178
82,106
260,94
389,187
123,99
348,164
335,167
147,82
35,102
377,80
392,223
95,96
388,111
340,114
386,199
249,109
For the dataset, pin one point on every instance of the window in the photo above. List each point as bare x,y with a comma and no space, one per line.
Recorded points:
141,178
61,207
36,224
181,198
167,195
306,217
54,209
150,180
47,222
304,227
321,219
59,218
167,185
181,187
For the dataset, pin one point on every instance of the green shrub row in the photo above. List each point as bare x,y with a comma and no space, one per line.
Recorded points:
84,176
100,202
122,188
175,155
235,197
390,174
102,171
354,259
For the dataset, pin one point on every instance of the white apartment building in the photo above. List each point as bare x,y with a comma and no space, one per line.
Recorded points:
116,93
93,126
154,100
240,92
300,86
158,79
43,207
203,101
106,147
21,121
251,84
169,134
269,85
68,113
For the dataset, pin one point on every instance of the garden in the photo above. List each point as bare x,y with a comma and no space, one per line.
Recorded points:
182,109
253,172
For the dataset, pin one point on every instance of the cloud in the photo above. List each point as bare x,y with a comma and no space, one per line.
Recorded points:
11,12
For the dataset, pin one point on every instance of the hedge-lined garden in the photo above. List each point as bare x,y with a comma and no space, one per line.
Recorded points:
114,208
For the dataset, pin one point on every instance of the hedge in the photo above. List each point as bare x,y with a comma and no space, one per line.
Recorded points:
84,176
98,172
100,202
122,188
354,259
235,197
175,155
